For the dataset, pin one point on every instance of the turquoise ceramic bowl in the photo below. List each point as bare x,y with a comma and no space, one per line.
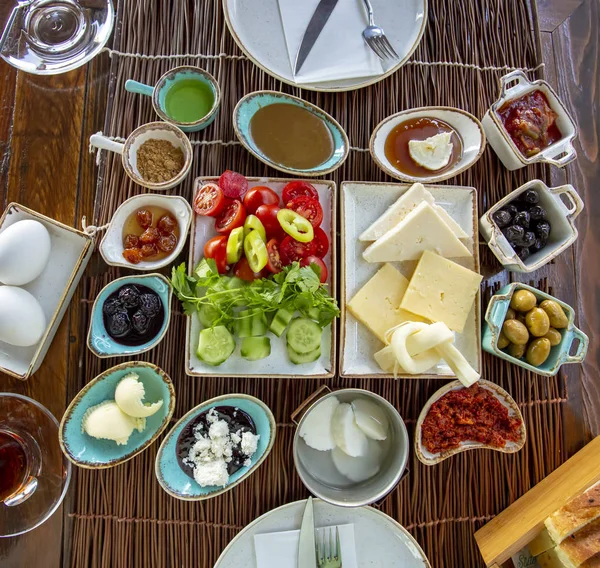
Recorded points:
560,354
103,345
178,484
90,453
247,107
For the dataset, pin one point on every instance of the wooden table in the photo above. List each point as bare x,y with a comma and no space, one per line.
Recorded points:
45,125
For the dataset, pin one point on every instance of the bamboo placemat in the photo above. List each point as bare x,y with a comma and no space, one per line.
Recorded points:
120,517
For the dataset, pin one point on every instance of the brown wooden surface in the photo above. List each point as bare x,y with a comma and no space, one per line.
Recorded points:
45,124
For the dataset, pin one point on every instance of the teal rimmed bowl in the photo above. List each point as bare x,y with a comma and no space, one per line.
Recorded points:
91,453
559,354
103,345
181,486
251,103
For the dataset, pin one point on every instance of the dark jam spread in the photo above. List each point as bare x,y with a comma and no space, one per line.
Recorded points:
470,414
530,122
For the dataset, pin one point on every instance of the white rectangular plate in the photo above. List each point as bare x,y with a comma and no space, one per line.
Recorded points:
362,204
277,364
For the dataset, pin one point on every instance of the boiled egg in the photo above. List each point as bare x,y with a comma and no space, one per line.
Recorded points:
22,320
24,252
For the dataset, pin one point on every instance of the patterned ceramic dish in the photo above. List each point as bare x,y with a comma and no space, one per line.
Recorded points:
111,247
247,107
103,345
494,318
505,399
560,216
513,86
180,485
92,453
150,131
467,127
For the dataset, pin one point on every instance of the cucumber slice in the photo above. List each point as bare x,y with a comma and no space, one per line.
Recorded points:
304,335
243,325
280,321
300,358
215,345
255,348
259,323
208,314
236,283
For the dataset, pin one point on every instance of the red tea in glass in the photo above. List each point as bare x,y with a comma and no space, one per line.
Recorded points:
13,464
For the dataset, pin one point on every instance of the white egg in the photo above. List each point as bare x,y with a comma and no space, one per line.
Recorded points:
24,252
22,320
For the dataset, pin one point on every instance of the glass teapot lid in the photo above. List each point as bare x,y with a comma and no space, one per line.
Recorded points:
47,37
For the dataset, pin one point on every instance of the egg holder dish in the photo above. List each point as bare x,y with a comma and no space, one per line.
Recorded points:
515,85
111,247
559,355
467,127
181,486
100,343
92,453
70,252
561,217
499,393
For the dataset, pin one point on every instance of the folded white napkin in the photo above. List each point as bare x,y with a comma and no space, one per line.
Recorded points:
340,51
280,549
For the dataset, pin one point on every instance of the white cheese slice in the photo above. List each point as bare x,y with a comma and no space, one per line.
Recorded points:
449,220
433,153
421,230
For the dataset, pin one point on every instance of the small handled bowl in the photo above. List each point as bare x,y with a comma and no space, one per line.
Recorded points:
560,354
513,86
560,215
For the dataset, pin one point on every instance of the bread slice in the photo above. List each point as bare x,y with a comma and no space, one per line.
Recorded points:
577,513
593,562
576,550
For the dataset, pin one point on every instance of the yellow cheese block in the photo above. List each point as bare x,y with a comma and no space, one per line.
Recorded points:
376,304
541,543
441,290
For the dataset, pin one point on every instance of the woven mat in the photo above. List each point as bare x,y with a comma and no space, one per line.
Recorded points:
121,517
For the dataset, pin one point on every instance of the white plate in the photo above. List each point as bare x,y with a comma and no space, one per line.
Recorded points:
257,28
277,364
362,204
380,541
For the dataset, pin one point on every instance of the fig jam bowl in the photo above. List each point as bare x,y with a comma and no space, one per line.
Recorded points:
553,125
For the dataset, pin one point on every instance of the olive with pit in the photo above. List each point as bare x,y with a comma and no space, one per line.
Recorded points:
503,341
557,316
538,351
554,337
515,332
516,351
537,322
510,314
523,301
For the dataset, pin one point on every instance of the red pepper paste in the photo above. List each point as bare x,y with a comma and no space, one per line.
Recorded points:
470,414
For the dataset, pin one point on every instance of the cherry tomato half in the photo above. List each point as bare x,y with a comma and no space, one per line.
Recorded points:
268,217
297,188
242,270
209,200
307,261
259,195
216,248
308,207
292,250
322,243
234,185
274,262
232,216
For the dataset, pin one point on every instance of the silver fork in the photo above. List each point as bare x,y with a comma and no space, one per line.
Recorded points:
329,553
376,39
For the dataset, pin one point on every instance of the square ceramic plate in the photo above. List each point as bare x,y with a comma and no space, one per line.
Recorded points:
277,364
69,254
362,204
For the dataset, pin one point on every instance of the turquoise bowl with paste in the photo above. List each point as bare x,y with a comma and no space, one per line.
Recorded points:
180,485
92,453
250,104
559,354
103,345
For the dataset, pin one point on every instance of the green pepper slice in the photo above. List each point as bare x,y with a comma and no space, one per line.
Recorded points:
253,223
256,251
235,245
295,225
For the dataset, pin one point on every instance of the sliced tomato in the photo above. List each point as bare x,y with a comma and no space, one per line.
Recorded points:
292,250
308,207
209,200
298,188
216,248
321,242
242,270
307,261
234,185
268,217
259,195
232,216
274,262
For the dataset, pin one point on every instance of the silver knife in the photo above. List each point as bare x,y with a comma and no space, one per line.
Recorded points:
313,30
307,553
